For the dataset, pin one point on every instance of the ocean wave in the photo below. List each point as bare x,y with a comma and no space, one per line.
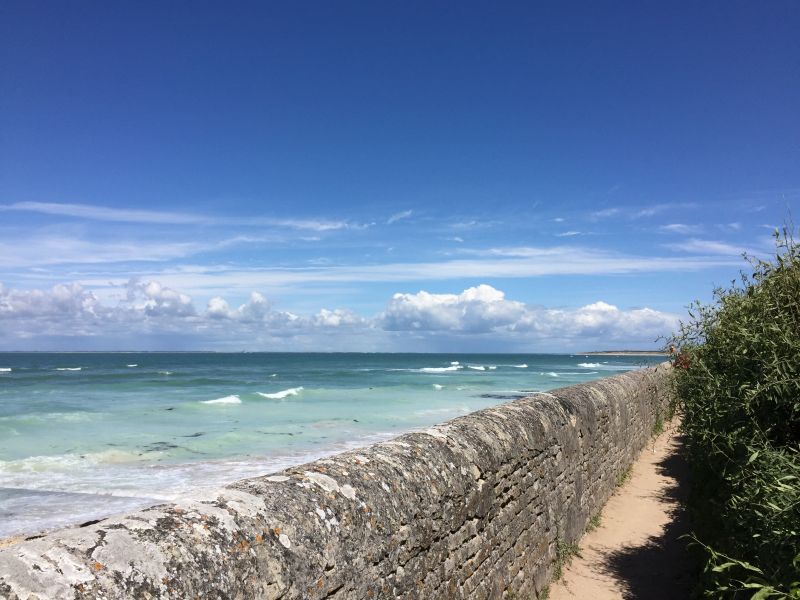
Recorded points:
68,368
437,386
282,394
493,368
589,365
522,366
73,417
455,367
551,374
442,411
5,370
226,400
131,366
165,372
476,367
68,462
455,363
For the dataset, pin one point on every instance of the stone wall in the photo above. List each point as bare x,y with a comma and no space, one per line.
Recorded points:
471,508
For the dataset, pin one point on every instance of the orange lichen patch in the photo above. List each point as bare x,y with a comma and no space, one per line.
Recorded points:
244,546
319,583
276,530
259,538
98,566
165,580
370,593
322,469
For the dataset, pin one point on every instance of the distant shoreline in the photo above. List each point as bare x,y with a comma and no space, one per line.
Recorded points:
625,353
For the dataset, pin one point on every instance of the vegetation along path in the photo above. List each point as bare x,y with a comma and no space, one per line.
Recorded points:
633,550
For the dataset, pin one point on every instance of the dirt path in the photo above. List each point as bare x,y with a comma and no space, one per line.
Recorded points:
635,552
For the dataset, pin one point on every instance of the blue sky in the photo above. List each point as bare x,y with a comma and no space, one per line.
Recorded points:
386,176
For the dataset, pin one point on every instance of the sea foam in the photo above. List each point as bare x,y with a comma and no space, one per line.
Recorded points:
455,367
225,400
5,370
68,368
476,367
589,365
282,394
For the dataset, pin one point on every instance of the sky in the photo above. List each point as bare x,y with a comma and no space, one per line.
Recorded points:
390,176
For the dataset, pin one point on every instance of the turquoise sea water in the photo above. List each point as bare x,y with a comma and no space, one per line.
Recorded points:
84,435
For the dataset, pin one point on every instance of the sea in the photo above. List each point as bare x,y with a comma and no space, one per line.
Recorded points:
87,435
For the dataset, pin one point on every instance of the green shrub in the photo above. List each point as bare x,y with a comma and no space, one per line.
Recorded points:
737,380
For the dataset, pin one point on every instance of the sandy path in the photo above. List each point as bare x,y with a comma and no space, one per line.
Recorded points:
635,552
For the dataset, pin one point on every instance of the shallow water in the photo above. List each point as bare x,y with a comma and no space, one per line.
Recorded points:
84,435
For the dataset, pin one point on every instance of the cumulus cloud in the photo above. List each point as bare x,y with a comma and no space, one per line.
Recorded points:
255,309
476,309
59,301
153,299
151,308
484,309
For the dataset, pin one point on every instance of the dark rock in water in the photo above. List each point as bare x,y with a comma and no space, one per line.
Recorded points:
160,447
503,396
87,523
198,434
170,408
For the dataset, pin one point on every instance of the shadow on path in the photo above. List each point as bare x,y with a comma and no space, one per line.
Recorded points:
660,568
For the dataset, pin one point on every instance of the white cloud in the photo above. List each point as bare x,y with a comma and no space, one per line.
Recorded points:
568,234
399,216
476,309
681,228
494,263
605,213
124,215
149,308
155,300
712,247
40,251
633,213
484,309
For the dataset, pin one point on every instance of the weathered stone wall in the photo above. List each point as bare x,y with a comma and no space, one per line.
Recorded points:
471,508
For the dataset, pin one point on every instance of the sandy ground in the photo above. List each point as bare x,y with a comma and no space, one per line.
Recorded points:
635,552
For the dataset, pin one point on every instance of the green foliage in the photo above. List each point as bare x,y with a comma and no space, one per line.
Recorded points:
565,551
545,593
623,477
594,522
737,379
658,425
